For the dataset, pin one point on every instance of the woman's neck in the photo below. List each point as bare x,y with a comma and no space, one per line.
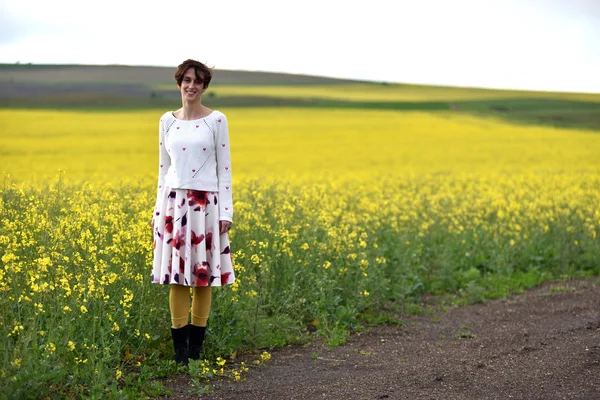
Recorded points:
192,111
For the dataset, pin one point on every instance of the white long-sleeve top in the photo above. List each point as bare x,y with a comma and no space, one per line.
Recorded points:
195,155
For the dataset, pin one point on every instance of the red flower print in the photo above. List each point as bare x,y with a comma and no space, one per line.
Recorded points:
226,250
196,198
208,238
169,224
181,265
178,240
225,278
196,240
201,275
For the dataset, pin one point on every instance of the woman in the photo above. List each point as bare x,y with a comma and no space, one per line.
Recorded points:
194,209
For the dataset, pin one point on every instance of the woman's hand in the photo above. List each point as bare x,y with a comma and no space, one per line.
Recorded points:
224,226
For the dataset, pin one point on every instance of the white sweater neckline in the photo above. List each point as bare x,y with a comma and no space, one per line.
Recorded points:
191,120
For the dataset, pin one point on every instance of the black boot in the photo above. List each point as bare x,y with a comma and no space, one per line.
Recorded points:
196,340
180,344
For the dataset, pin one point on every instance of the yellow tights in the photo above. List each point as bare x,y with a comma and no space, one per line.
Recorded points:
179,303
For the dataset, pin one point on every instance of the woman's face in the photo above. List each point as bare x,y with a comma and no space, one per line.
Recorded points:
191,87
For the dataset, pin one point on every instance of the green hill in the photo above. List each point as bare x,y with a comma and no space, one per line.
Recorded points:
126,87
150,76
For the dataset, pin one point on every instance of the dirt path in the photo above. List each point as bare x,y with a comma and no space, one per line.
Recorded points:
544,344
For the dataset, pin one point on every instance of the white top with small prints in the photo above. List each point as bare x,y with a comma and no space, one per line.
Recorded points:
195,155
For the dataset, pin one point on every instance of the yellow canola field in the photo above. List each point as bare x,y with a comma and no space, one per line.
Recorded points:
336,212
392,92
291,143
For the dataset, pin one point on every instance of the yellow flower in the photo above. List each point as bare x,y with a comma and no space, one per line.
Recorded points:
71,345
243,367
83,309
50,348
8,257
265,356
16,329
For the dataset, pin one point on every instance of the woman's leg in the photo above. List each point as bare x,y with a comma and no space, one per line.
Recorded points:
201,305
179,303
200,311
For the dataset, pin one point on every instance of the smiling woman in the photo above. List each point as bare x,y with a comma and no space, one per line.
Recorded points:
193,209
193,79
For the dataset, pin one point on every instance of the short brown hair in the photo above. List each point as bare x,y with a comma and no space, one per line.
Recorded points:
202,72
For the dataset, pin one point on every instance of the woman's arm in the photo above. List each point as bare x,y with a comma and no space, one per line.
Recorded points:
223,156
164,162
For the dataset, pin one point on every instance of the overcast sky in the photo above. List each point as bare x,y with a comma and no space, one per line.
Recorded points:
525,44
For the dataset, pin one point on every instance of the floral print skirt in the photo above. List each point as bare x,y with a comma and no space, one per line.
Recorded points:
188,249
